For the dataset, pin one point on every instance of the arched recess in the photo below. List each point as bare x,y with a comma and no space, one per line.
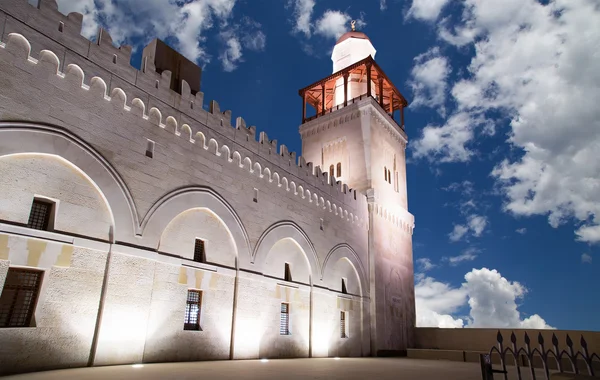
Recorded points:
172,204
288,251
340,255
81,207
179,237
278,232
21,137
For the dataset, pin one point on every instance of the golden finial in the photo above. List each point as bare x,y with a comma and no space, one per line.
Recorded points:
353,25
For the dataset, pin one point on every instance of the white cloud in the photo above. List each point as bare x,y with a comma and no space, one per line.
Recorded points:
425,264
252,38
534,65
586,258
186,23
521,231
491,298
303,10
232,54
435,301
427,10
464,187
382,5
446,143
475,225
458,232
333,24
428,80
468,255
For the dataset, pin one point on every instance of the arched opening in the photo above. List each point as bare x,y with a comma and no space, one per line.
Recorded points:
48,192
339,170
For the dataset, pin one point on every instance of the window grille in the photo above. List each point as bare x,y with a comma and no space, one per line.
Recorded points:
343,324
344,290
287,273
19,296
199,252
39,217
192,310
284,323
339,170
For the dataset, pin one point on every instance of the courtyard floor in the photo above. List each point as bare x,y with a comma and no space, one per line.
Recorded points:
291,369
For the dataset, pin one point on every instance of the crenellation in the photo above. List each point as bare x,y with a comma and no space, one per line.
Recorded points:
190,128
65,30
116,60
36,41
152,99
2,24
214,107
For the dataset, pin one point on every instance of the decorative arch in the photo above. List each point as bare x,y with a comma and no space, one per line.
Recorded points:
345,251
21,137
178,201
283,230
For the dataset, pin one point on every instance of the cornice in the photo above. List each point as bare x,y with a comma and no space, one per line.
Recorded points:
364,107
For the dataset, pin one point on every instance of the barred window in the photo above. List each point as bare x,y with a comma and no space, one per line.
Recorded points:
343,333
39,217
287,272
192,310
284,323
199,253
19,296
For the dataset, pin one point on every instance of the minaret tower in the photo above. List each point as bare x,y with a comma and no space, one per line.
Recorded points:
354,130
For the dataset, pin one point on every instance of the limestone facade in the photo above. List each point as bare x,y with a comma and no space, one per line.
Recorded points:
137,174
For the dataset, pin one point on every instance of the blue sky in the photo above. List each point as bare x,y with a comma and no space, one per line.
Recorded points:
503,174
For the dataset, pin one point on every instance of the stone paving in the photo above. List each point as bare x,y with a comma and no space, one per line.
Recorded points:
292,369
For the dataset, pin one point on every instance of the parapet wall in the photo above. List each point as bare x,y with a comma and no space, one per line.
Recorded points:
482,340
105,70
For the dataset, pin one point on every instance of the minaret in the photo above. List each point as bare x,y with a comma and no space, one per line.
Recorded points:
356,133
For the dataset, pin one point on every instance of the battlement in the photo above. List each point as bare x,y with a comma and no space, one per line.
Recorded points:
148,95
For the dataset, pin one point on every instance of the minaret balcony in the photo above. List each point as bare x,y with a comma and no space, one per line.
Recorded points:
356,82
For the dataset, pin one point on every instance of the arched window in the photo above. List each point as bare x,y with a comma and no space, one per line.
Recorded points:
331,171
389,176
339,170
385,172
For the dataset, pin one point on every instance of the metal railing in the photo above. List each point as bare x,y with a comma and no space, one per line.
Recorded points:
526,357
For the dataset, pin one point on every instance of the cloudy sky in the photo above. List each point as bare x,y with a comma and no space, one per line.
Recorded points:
503,125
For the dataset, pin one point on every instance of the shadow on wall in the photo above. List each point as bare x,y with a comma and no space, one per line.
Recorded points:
282,347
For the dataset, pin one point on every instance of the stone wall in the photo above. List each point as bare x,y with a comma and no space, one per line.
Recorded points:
482,340
74,128
67,306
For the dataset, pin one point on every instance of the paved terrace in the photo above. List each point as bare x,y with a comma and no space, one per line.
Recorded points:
290,369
